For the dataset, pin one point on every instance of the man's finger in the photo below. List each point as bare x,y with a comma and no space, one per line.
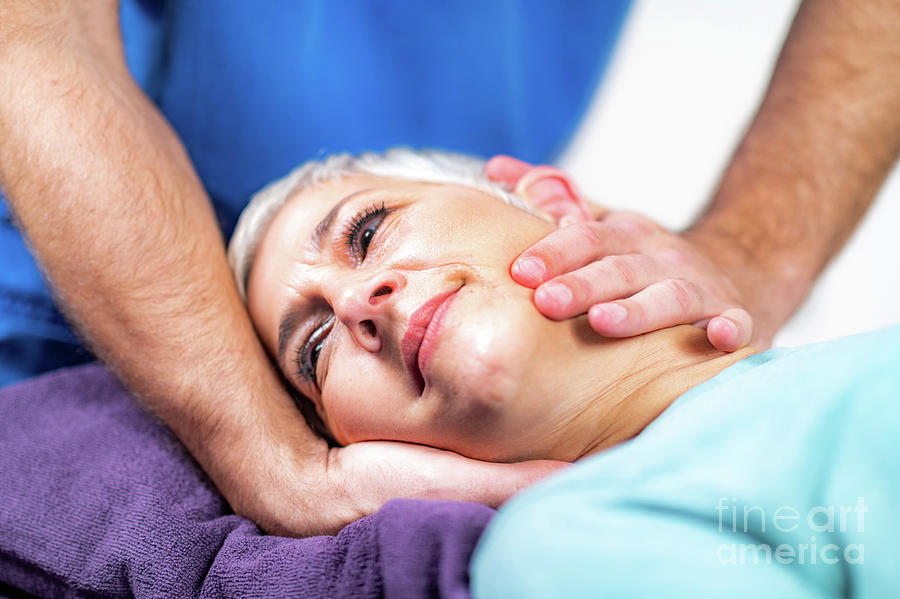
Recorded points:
506,170
549,189
610,278
398,469
731,330
569,248
664,304
493,483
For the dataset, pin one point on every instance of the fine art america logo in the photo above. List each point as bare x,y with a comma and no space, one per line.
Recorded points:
805,536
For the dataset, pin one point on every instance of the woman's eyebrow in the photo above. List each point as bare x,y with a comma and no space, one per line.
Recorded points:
290,320
323,229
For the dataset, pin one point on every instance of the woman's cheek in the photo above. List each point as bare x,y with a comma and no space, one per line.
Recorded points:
351,404
482,372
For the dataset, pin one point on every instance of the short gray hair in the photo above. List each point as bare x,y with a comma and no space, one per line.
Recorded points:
428,166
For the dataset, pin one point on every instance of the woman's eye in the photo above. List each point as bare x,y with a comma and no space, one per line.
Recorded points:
357,237
365,238
314,356
361,230
307,359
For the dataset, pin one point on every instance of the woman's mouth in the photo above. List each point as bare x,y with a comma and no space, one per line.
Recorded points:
420,340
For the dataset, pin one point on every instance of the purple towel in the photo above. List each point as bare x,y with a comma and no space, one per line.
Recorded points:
98,498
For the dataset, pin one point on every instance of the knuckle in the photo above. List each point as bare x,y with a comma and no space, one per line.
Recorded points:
552,250
584,234
631,223
581,287
623,269
637,313
675,258
682,292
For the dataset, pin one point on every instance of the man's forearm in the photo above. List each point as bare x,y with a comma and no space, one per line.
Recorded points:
816,153
123,228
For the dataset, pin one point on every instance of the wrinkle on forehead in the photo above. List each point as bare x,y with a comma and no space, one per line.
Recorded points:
284,247
286,269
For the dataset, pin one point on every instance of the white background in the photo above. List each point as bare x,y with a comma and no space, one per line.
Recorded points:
685,80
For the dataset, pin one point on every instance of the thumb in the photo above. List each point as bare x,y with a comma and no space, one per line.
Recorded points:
552,191
494,483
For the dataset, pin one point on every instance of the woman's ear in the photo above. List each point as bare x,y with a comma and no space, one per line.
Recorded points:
546,188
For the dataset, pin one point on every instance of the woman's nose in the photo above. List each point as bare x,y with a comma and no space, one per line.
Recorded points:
364,307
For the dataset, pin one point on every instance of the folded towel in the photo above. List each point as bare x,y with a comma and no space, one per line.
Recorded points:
98,497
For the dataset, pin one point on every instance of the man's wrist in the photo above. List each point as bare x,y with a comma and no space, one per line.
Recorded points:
771,281
255,446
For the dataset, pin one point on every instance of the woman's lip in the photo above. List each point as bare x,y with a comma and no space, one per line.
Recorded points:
432,332
419,328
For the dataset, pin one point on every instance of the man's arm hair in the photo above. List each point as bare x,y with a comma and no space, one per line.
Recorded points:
821,144
112,207
107,196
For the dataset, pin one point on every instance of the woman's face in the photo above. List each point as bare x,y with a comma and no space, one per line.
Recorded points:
390,305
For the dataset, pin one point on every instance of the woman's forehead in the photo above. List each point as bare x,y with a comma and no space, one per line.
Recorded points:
287,239
315,207
297,221
290,240
306,207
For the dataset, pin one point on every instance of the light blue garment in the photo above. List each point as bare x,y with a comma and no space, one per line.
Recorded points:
796,437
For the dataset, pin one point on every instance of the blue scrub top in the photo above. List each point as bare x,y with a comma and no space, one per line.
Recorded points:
255,88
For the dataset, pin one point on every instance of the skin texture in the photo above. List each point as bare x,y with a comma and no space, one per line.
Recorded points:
93,171
502,382
434,239
663,278
825,137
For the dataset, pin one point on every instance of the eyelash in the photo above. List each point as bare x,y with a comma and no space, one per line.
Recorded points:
359,225
305,368
306,361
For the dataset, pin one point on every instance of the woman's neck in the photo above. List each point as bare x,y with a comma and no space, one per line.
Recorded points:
636,380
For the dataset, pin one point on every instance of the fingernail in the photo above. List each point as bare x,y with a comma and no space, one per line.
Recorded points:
530,268
548,187
729,326
556,293
615,313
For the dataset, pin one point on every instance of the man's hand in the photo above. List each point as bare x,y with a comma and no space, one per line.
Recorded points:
820,146
628,274
274,471
372,472
289,490
127,236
